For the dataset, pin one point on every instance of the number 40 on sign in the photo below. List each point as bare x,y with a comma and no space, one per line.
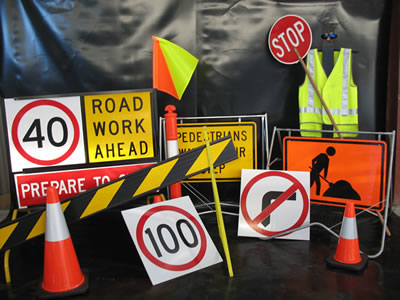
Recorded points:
44,132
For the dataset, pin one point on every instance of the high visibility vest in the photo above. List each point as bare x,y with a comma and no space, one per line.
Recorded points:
338,90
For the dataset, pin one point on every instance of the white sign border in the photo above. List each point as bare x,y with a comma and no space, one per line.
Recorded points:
244,229
157,274
12,108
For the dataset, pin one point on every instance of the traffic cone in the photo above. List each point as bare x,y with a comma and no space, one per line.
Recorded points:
347,255
157,199
62,275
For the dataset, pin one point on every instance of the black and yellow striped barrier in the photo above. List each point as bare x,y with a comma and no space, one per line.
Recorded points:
120,191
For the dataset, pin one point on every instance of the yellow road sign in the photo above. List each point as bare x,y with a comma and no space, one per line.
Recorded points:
244,137
119,126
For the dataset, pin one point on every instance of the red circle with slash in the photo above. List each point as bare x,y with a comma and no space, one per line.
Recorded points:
253,223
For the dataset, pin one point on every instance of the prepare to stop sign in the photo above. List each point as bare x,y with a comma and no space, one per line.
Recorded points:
44,132
170,238
287,33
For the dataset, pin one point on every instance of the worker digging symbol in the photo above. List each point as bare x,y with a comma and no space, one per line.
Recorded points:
339,189
319,163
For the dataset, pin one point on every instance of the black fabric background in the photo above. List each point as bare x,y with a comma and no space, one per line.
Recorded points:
60,47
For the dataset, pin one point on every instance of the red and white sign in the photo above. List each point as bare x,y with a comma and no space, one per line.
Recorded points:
287,33
32,188
273,202
44,132
170,238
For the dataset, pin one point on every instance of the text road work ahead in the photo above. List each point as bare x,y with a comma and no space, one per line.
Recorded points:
119,126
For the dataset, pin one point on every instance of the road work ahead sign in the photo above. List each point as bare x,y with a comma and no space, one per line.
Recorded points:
119,126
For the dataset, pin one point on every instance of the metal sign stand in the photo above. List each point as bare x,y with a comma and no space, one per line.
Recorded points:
375,136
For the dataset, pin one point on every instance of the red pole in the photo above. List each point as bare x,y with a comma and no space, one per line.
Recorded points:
171,132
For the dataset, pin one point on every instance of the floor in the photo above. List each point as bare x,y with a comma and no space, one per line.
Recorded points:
274,269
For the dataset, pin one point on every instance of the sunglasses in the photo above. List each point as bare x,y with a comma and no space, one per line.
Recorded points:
329,36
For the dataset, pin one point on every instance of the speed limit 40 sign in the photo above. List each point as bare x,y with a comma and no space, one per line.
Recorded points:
44,132
170,238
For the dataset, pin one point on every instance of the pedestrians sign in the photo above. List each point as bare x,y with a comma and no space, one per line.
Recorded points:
341,170
171,239
272,202
244,137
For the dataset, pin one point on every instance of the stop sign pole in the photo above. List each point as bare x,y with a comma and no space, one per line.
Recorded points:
289,33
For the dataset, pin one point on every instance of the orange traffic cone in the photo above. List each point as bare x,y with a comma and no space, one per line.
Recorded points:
157,198
348,254
62,274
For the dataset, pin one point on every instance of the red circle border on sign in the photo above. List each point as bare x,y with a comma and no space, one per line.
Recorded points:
156,261
250,184
20,149
302,51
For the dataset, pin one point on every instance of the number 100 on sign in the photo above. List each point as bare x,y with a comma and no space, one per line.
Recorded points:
44,132
170,238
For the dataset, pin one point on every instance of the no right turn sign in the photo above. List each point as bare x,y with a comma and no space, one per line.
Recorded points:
273,202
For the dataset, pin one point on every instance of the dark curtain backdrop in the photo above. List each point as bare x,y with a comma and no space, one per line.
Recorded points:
60,47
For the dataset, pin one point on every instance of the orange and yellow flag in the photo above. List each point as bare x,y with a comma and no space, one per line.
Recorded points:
173,67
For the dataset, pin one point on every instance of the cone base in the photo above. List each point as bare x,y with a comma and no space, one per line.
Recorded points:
358,267
43,294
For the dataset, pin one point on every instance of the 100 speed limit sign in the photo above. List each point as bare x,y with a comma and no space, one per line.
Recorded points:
170,238
44,132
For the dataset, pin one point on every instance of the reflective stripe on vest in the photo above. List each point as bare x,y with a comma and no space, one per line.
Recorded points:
344,113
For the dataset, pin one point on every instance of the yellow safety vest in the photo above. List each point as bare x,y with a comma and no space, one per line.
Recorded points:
338,90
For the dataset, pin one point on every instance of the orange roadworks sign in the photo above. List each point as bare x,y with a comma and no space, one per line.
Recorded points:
341,170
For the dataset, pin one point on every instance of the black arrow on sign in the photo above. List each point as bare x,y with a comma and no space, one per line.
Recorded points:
266,201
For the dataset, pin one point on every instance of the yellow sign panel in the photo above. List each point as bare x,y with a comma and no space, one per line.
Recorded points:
244,137
119,126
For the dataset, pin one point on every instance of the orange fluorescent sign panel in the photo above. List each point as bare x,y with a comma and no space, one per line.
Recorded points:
341,170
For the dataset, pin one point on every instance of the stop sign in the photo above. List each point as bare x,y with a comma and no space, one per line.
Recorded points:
287,33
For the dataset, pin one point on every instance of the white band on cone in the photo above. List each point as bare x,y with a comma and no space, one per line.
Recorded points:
56,226
172,148
349,229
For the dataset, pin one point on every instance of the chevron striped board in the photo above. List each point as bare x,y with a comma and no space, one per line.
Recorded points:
120,191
